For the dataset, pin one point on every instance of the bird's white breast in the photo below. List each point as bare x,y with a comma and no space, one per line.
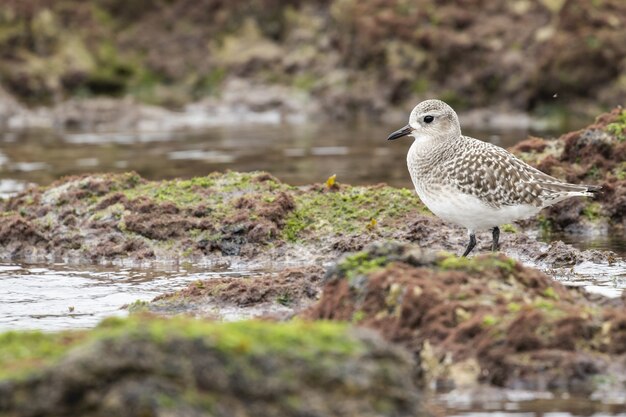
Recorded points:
470,212
454,206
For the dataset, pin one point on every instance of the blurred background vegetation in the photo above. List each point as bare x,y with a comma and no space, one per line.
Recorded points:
349,56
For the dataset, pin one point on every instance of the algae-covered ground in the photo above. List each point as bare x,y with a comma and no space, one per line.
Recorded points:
104,217
487,319
147,367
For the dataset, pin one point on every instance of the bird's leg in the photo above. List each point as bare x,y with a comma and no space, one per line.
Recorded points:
496,236
471,244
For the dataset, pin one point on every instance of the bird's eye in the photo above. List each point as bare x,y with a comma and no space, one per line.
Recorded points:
428,119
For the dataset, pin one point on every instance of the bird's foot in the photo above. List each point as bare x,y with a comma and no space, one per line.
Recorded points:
495,246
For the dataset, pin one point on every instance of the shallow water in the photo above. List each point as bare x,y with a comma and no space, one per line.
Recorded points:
297,154
614,240
56,297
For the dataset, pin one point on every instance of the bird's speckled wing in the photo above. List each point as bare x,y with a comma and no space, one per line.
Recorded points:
500,179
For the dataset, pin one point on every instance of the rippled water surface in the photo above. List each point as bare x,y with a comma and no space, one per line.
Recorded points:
55,297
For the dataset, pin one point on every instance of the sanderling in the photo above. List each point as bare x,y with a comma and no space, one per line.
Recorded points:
473,183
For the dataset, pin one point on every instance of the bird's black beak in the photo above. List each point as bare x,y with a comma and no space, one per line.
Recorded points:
406,130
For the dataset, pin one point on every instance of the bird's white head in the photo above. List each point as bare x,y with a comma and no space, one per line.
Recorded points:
430,118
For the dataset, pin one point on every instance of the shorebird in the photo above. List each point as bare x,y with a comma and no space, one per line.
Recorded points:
472,183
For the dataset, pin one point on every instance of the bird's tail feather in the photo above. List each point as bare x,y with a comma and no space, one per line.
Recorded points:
593,188
566,188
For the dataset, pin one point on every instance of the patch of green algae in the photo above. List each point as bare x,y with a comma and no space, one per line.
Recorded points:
361,264
478,264
220,211
349,210
212,190
304,339
618,127
22,353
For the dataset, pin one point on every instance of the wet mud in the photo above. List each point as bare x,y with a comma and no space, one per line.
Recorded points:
275,296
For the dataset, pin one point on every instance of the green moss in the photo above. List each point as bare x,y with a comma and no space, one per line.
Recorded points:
618,127
477,264
305,81
508,228
21,353
513,307
544,304
24,352
592,211
360,264
489,320
196,191
138,306
550,293
348,210
209,83
284,299
358,316
248,337
544,223
454,262
594,173
620,171
420,85
189,251
112,73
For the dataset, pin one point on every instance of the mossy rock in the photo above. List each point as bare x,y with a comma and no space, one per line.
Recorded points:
109,216
144,366
518,326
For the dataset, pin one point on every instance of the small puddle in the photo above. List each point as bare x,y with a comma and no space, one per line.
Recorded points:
56,297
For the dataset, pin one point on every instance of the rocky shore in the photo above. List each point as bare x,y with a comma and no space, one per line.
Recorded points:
361,304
